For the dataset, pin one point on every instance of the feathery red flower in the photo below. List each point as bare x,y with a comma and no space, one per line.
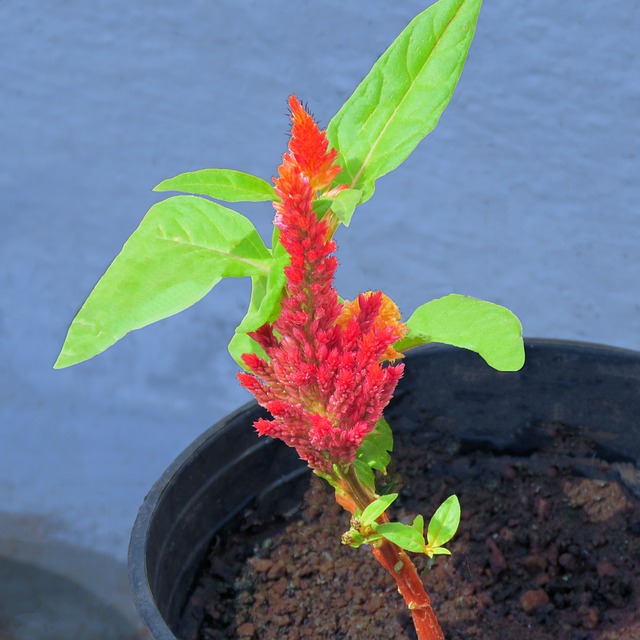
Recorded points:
309,148
323,381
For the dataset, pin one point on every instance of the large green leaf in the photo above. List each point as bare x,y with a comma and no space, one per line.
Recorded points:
180,251
486,328
222,184
401,99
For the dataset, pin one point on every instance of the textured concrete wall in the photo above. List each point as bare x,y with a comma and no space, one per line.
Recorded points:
526,194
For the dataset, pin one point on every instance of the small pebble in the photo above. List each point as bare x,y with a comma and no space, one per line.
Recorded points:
541,579
280,586
532,600
277,570
567,561
261,565
542,506
535,562
590,618
497,561
605,569
510,472
281,620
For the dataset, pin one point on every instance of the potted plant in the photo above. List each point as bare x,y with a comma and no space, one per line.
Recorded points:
323,368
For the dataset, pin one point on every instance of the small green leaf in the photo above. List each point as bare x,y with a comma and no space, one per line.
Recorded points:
374,510
365,474
375,447
332,478
418,524
345,203
444,523
240,344
321,206
438,551
183,247
401,99
486,328
403,535
222,184
264,306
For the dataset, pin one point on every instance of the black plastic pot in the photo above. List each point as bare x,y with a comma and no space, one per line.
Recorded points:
229,468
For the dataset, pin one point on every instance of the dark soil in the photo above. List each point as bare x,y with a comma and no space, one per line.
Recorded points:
548,548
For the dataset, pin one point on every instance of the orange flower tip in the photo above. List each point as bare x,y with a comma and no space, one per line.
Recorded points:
392,354
296,108
309,150
387,317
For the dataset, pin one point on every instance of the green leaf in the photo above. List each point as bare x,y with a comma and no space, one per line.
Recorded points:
241,343
374,510
365,474
222,184
321,206
403,535
401,99
264,306
444,523
375,447
183,247
439,551
345,203
418,524
332,478
486,328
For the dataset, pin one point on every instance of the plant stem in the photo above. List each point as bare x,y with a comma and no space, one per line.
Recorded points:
398,565
403,571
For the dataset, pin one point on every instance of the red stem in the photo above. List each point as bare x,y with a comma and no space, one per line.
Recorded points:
403,571
395,561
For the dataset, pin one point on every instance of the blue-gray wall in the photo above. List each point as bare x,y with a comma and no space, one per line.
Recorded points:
526,194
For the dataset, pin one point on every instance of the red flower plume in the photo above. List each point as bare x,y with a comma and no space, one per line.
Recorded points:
323,381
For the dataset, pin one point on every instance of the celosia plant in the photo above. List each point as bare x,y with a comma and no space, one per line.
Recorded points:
324,368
